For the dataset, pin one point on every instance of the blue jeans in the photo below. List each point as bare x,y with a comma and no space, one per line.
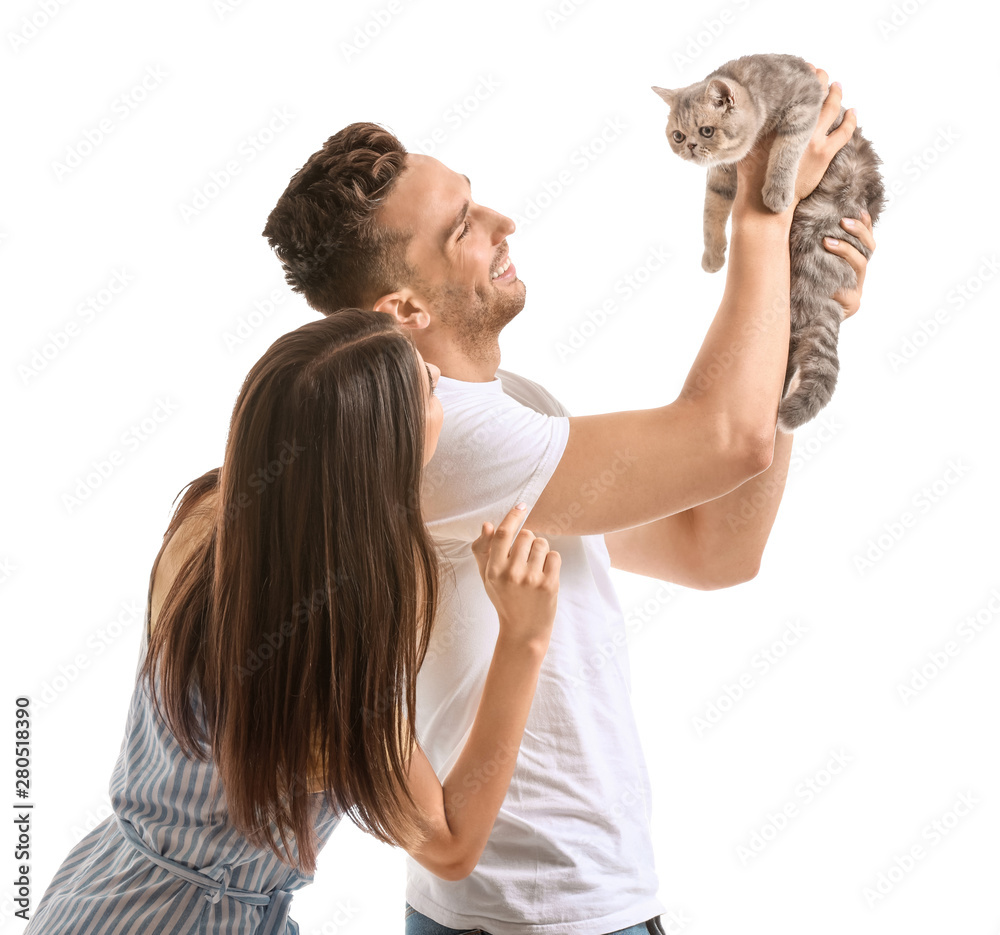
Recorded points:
417,924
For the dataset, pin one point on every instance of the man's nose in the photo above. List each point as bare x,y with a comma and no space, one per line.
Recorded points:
505,227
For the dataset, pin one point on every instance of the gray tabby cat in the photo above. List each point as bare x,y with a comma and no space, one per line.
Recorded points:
715,123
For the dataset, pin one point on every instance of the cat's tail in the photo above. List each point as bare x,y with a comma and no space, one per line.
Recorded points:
813,366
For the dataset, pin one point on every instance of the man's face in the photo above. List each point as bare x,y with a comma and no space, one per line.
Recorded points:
456,247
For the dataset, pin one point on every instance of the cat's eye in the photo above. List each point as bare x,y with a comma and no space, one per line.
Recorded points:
678,136
706,131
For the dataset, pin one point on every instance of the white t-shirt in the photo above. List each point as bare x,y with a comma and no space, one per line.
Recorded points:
571,852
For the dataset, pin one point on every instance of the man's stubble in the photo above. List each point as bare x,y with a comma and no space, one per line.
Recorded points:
475,319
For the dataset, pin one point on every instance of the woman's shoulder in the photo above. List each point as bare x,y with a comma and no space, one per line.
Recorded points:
177,548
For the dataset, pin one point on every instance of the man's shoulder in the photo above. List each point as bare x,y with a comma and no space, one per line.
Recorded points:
531,394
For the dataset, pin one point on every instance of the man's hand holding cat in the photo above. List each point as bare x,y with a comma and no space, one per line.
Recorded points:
850,299
752,169
819,153
822,147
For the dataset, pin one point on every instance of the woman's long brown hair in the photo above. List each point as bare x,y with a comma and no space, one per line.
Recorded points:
288,646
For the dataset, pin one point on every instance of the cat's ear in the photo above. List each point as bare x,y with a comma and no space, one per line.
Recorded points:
720,94
668,96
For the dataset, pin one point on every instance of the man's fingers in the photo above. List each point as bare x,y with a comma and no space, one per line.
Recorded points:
849,299
850,302
849,252
845,131
831,107
861,228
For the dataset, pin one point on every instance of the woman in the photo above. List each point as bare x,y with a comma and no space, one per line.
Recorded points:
289,611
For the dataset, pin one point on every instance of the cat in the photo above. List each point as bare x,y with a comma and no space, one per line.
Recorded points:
716,122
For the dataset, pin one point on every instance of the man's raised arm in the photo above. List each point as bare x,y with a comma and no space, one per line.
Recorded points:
719,432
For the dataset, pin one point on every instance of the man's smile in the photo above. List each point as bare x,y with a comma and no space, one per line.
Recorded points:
505,273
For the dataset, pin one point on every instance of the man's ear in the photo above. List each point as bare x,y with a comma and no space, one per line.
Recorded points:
408,311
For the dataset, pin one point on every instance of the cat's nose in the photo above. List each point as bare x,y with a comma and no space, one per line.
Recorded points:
691,146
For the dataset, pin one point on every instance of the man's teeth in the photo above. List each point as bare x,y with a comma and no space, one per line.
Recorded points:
502,270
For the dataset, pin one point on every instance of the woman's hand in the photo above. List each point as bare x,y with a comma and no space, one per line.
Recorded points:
521,575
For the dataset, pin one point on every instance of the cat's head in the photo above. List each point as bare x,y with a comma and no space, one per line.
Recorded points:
711,121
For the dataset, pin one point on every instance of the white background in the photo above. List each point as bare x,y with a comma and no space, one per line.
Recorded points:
75,574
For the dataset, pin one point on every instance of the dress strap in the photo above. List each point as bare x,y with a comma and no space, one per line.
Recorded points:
278,902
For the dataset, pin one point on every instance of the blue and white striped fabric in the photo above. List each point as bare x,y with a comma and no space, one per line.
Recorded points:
169,861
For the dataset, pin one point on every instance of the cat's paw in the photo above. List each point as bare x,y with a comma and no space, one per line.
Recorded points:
713,260
778,197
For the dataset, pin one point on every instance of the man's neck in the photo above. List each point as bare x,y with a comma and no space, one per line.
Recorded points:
476,366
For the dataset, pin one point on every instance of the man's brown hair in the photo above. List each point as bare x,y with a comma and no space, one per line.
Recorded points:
325,227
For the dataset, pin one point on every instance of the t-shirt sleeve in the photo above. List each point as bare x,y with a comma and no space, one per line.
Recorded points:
492,453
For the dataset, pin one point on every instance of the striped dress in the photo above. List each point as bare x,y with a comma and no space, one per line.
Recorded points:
169,861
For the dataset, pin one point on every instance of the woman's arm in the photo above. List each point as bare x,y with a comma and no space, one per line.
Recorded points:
459,814
521,576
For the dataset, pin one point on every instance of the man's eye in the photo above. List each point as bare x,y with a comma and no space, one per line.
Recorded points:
465,230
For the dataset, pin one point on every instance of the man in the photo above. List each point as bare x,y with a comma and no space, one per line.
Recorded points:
364,223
